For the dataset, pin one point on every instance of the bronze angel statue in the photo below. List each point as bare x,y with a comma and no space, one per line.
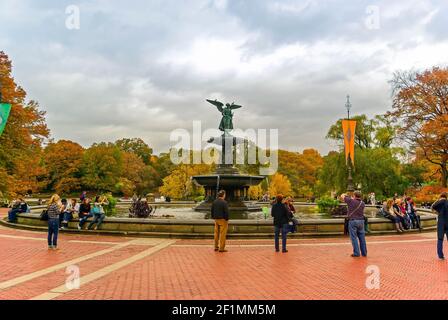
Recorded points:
227,114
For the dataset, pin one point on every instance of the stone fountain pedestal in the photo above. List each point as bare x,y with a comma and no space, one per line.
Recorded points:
229,179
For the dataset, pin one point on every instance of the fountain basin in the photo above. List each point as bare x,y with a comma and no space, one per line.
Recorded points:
237,192
203,228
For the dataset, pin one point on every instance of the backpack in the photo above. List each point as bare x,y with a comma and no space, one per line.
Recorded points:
96,210
44,215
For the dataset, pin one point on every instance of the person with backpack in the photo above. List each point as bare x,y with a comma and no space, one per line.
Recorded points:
280,213
441,207
98,212
54,211
356,221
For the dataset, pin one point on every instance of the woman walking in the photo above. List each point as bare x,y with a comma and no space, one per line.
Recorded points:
54,211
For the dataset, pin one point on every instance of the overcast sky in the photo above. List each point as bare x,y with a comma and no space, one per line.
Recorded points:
143,68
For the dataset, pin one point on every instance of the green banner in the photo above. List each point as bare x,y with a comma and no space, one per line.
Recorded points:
4,114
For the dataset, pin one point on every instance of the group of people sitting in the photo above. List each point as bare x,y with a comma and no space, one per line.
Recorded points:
402,212
140,208
84,209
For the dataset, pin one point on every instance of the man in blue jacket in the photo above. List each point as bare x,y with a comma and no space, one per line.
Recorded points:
441,207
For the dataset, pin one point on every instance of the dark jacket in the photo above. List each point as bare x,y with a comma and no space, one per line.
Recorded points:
84,209
280,214
355,208
441,206
220,209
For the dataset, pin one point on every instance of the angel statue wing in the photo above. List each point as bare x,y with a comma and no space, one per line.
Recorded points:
235,106
216,103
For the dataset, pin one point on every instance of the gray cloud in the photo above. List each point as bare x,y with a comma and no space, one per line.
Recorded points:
144,68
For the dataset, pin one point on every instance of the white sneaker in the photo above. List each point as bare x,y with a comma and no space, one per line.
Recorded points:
79,228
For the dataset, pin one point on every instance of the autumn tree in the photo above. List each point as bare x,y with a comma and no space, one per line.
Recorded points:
279,184
63,161
301,169
137,176
420,106
21,141
179,185
255,192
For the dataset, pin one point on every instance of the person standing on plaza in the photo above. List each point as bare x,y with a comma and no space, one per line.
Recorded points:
54,212
280,214
356,223
220,212
441,207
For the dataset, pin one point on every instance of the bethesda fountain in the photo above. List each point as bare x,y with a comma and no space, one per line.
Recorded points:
227,177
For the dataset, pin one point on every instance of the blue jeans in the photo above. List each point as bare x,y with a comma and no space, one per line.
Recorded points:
84,219
98,219
68,216
12,214
442,232
53,231
357,232
284,229
415,220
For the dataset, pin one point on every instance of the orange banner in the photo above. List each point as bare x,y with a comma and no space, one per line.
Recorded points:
349,127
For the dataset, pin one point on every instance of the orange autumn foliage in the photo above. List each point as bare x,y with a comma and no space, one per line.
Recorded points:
421,106
21,141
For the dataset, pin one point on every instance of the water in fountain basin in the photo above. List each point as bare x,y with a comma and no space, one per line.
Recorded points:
187,213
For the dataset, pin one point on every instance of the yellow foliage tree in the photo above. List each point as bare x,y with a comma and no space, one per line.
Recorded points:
279,184
255,192
178,185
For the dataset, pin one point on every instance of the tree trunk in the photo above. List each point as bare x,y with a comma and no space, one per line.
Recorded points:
444,174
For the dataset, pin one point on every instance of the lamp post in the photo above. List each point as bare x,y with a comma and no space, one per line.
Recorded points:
350,186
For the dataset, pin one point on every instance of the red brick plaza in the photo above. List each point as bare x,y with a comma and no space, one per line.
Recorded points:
141,268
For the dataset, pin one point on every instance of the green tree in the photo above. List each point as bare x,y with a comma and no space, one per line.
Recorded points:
136,146
377,170
102,167
378,132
